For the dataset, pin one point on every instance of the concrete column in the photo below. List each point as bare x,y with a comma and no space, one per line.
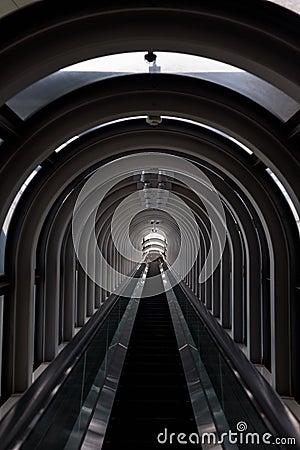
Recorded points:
69,289
225,273
81,296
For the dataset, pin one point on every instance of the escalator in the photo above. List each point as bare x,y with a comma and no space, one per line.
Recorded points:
152,393
144,372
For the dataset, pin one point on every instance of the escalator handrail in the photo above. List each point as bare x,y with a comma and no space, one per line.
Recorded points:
26,411
281,419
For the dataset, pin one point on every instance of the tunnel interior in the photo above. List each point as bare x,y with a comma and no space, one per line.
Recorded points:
128,155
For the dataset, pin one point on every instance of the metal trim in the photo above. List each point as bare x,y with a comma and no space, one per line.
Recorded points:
97,428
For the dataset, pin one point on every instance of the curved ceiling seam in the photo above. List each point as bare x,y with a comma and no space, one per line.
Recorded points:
159,11
72,139
284,192
12,7
264,93
282,189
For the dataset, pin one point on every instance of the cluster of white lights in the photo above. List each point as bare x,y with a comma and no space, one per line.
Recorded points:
154,242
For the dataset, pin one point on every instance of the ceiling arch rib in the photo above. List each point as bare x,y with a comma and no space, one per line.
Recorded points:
12,5
109,204
96,38
293,5
143,218
68,143
216,115
204,297
104,240
254,321
43,92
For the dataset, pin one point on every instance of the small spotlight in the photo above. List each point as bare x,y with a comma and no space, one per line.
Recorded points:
150,57
153,120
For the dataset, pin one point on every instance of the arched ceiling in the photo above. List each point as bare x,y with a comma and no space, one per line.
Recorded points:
293,5
240,128
239,111
10,6
216,38
50,88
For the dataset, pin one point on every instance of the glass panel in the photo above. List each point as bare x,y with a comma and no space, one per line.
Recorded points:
293,5
1,339
66,409
46,90
72,406
166,62
222,387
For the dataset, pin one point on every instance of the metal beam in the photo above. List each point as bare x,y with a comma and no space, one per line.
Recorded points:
11,124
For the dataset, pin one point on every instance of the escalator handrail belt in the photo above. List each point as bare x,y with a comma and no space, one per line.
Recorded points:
26,411
278,415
